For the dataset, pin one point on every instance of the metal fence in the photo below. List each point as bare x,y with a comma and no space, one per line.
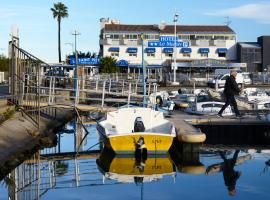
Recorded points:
24,82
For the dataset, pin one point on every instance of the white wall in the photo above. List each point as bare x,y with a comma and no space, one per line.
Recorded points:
160,56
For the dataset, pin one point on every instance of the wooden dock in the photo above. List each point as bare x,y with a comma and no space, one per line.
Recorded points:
185,131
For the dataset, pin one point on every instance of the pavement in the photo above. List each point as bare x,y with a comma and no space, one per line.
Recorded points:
15,135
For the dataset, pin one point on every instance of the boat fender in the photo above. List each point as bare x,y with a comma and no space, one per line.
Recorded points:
159,101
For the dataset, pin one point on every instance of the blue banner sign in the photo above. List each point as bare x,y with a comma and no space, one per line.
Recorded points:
168,38
167,44
84,61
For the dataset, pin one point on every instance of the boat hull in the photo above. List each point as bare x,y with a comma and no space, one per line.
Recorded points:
126,143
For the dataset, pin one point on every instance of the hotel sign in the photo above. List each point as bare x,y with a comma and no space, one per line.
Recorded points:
168,44
168,41
168,38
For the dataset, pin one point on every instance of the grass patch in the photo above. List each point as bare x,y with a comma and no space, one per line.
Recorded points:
8,114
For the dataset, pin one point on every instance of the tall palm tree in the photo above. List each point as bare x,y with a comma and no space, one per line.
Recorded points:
59,11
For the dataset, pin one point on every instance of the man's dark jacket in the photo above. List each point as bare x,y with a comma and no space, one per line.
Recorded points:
231,87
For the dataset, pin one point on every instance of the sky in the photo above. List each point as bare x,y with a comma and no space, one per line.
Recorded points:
38,28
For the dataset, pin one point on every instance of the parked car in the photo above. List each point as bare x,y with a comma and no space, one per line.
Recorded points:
221,79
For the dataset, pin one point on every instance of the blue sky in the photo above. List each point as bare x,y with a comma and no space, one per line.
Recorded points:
38,29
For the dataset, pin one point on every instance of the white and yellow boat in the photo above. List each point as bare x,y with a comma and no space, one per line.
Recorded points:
127,129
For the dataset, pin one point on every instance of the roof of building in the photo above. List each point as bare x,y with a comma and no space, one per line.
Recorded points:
249,44
169,28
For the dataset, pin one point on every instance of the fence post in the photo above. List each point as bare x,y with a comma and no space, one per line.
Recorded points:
53,91
155,95
96,85
50,91
129,93
78,92
110,85
136,87
103,94
23,87
149,88
123,86
216,85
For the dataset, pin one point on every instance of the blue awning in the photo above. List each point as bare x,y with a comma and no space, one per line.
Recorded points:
114,49
168,50
186,50
147,66
222,50
132,50
150,50
204,50
122,63
154,66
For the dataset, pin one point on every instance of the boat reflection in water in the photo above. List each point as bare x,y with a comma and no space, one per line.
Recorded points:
129,169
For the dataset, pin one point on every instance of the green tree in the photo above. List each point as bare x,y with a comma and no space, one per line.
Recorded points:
4,63
108,65
59,11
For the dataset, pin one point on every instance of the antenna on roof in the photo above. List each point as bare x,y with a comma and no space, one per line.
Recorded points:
228,21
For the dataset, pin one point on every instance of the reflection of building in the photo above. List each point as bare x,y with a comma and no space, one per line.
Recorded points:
194,43
255,54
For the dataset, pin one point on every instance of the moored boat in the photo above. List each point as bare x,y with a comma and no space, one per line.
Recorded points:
130,129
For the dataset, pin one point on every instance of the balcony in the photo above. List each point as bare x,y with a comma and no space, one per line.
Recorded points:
220,43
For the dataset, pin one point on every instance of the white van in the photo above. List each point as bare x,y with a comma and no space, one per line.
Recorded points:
221,79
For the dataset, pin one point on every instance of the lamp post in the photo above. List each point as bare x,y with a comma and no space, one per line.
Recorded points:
75,33
175,19
143,74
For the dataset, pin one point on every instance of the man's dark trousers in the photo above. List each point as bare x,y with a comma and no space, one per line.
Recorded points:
230,100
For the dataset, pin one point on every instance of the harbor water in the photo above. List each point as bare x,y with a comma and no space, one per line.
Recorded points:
214,173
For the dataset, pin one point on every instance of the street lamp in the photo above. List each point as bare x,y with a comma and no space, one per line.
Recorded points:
175,19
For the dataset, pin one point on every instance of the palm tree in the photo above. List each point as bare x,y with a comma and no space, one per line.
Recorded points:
59,11
108,65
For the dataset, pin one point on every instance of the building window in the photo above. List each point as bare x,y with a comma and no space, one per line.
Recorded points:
222,55
132,54
131,37
168,54
204,55
151,37
187,55
113,36
115,54
151,54
184,37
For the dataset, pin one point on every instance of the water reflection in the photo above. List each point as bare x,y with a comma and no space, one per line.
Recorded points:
229,174
51,171
132,170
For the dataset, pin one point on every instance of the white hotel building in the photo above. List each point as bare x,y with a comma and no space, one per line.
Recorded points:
209,46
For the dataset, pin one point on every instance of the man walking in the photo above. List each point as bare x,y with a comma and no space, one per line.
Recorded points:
231,89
